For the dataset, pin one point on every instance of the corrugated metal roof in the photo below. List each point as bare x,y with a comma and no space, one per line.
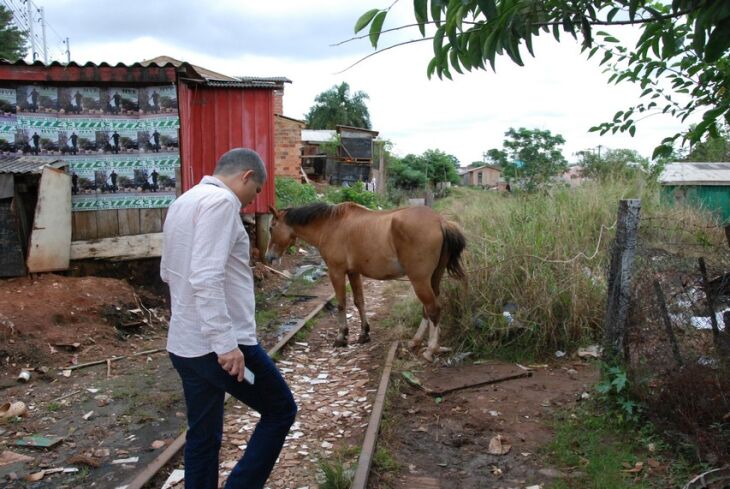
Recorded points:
251,82
88,64
318,135
28,164
696,174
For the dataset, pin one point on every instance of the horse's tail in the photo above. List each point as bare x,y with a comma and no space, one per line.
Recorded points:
454,244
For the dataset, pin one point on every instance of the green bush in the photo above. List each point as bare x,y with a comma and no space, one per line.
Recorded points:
357,194
291,193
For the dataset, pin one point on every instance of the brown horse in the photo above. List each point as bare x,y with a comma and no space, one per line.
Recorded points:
415,242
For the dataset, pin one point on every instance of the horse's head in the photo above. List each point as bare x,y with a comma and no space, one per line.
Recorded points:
281,236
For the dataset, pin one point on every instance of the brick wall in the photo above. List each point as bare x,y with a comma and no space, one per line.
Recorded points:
287,146
278,102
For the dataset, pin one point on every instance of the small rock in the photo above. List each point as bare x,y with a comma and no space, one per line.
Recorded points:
552,473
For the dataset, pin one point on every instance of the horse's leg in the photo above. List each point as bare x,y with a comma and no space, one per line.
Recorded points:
416,341
338,283
427,296
436,286
357,294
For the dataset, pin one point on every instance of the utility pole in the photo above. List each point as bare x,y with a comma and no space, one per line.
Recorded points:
43,31
29,5
68,50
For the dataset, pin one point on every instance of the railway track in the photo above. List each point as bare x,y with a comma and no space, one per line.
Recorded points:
333,391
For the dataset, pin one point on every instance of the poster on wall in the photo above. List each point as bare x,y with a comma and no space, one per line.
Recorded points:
37,99
121,101
79,101
121,143
8,102
158,100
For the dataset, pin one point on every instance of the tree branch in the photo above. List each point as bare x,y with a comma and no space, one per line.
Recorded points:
380,51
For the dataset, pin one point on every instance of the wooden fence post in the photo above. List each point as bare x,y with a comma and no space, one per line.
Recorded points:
619,278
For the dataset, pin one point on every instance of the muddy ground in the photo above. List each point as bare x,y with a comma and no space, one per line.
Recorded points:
135,409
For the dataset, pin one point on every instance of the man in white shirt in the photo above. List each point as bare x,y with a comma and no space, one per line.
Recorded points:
212,332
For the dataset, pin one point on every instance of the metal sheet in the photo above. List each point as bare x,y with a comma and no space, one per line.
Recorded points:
50,240
214,120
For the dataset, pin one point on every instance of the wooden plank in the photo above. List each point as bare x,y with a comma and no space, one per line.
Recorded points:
12,261
150,221
129,222
119,247
50,239
107,223
360,480
84,226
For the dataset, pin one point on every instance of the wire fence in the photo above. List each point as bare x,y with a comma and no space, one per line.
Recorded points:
677,344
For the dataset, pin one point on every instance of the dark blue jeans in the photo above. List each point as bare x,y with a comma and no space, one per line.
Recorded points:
205,384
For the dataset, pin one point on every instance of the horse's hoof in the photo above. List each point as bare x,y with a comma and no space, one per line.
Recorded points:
413,344
363,338
340,342
428,355
444,349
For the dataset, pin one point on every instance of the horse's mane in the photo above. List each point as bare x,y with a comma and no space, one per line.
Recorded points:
301,216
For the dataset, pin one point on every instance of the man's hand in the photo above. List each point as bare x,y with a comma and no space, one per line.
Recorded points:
233,363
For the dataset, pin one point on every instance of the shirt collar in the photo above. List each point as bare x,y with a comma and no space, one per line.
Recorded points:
211,180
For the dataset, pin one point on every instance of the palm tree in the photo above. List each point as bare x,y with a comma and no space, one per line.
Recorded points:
337,107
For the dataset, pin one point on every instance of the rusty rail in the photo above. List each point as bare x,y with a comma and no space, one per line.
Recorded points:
360,480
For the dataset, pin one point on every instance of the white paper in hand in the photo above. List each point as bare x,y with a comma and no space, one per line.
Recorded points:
248,376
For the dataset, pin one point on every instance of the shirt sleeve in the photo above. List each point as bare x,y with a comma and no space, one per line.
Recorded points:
215,233
163,262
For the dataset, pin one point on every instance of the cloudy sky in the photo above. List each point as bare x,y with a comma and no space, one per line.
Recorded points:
558,90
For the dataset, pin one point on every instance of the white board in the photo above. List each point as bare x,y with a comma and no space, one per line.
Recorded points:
50,240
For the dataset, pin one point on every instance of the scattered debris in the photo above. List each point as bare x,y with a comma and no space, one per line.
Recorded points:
35,477
88,415
635,469
559,354
157,444
7,457
593,351
130,460
13,409
24,376
84,460
176,477
499,445
37,441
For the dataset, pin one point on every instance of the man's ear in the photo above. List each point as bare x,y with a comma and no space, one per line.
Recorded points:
248,174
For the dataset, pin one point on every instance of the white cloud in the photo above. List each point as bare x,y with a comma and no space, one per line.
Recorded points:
558,90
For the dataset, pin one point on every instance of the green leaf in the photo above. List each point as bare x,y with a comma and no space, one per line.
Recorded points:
454,59
420,8
489,8
365,19
436,11
376,27
718,42
632,130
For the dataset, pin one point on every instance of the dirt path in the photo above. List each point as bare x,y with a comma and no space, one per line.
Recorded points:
334,389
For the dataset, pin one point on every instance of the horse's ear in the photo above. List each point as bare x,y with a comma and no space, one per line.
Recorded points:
274,212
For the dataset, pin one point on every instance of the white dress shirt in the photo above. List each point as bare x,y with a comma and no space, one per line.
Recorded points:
205,261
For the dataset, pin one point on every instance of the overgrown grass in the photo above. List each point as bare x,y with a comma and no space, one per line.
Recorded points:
598,450
545,255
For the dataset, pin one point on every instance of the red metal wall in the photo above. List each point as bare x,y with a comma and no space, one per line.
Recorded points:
214,120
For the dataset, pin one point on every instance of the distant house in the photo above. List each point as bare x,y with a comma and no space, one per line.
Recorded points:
349,161
705,185
487,176
573,176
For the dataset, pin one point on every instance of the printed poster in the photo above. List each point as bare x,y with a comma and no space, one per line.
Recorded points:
122,143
